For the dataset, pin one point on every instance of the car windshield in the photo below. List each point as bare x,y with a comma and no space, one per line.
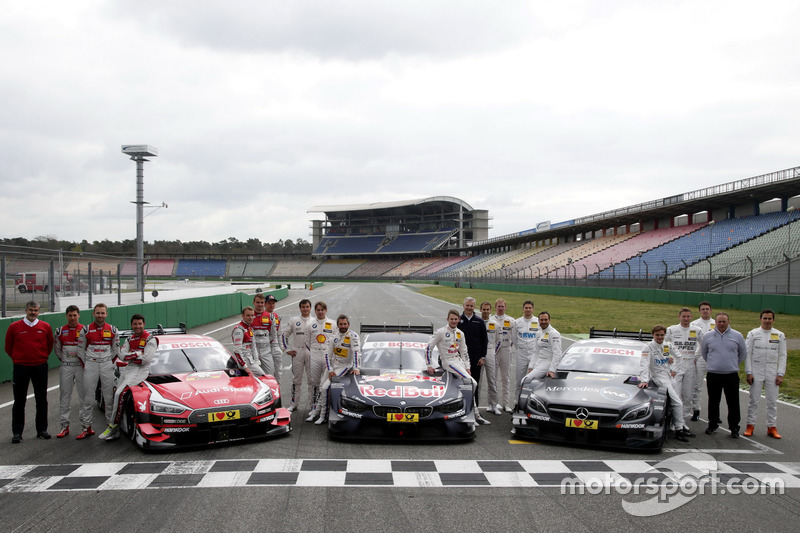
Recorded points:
175,358
606,359
408,355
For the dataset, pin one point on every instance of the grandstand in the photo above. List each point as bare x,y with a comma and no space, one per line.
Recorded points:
294,269
159,268
753,256
201,268
391,228
693,247
337,268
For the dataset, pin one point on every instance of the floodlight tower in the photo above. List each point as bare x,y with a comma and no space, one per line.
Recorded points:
138,152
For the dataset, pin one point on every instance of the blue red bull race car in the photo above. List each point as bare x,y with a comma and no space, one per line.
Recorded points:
394,397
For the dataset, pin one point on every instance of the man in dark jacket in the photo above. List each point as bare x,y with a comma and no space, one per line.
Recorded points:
474,329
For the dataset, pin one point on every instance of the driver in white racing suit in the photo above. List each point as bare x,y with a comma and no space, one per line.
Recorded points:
705,323
490,365
527,327
320,341
657,368
294,338
505,336
765,366
684,341
453,354
343,359
134,367
547,351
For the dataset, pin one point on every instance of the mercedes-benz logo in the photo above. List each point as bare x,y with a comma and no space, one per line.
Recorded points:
582,413
402,403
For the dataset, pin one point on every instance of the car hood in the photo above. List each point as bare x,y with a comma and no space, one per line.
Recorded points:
411,386
601,390
199,390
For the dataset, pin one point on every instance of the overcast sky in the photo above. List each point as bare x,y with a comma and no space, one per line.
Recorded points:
262,109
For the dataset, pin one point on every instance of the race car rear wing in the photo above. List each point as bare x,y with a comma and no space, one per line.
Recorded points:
640,335
372,328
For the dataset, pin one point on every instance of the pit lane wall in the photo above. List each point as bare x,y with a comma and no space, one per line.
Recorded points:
789,304
191,311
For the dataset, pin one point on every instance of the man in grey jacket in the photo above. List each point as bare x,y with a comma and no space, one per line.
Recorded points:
724,350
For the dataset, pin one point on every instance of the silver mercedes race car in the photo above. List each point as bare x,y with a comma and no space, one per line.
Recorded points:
595,399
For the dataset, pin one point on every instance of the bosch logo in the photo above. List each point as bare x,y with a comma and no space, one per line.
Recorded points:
221,401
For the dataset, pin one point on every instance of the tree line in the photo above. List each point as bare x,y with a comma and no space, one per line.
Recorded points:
231,245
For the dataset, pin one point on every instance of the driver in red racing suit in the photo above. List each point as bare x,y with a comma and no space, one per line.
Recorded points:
134,367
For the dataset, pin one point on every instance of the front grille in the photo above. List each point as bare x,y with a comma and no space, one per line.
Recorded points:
383,410
200,416
423,412
562,412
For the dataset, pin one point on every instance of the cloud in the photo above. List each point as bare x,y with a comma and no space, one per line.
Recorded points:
261,110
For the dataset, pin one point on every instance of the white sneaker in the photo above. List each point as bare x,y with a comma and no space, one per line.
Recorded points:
509,410
498,409
312,415
292,408
321,420
482,421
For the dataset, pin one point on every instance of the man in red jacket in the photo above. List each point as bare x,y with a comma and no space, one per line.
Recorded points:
29,342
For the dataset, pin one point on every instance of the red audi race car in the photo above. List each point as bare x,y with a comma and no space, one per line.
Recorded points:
192,398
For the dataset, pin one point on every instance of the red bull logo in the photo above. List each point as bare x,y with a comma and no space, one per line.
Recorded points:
406,391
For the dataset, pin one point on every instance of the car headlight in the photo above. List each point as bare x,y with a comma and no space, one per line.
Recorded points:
264,395
353,405
536,404
451,407
637,412
167,407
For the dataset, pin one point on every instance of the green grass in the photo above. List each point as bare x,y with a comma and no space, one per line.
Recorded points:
577,315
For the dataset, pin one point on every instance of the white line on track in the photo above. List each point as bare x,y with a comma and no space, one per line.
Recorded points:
29,396
762,448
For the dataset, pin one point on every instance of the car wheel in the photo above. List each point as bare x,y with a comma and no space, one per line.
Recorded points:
130,420
22,289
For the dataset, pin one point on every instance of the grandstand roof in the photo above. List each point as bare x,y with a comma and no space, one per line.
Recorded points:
389,205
